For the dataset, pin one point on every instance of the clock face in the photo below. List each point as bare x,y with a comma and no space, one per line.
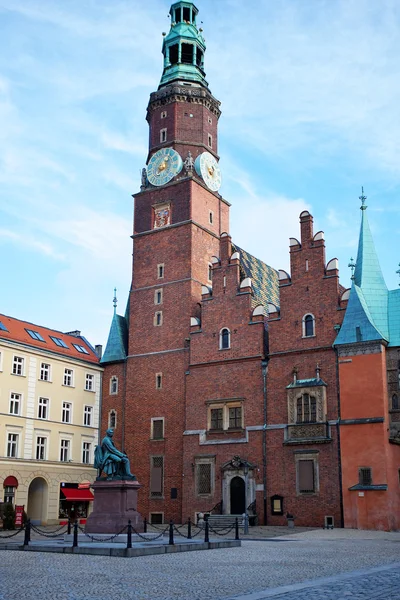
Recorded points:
163,166
207,167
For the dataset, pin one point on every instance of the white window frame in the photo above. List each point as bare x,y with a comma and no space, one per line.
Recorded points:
89,377
88,412
152,428
45,406
66,450
19,402
109,419
158,318
209,272
45,446
158,295
160,271
225,406
66,409
304,325
159,381
113,380
163,114
45,368
16,364
88,451
15,443
229,338
163,135
68,377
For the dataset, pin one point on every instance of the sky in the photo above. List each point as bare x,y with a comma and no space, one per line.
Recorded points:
310,93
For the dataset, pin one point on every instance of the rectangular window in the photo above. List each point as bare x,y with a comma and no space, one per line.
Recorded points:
88,416
158,319
45,372
157,426
203,479
66,412
18,365
210,140
43,408
68,377
164,114
235,417
158,381
65,450
156,518
156,476
89,382
306,476
163,135
15,403
160,271
365,476
86,452
41,448
58,342
217,421
35,335
114,385
12,445
211,217
209,272
158,297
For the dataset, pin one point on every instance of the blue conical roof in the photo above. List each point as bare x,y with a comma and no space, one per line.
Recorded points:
366,317
117,343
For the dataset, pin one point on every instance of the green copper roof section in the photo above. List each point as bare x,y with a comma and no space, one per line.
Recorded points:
394,317
358,324
264,278
117,343
183,47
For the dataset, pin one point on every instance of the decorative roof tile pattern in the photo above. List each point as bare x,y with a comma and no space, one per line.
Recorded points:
264,278
117,343
47,340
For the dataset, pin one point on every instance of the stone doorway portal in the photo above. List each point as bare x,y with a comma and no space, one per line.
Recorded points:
238,496
37,501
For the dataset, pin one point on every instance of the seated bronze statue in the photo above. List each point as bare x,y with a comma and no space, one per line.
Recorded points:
114,463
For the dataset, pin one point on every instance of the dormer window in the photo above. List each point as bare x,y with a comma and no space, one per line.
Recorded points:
308,325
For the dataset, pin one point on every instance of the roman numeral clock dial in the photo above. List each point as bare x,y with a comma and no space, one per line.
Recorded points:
163,166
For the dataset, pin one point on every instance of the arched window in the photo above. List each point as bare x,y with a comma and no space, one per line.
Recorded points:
114,385
224,339
395,402
308,325
306,409
112,419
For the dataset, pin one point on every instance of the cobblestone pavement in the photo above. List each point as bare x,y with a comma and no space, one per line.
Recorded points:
353,565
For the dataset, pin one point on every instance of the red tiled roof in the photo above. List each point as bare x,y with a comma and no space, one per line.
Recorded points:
17,332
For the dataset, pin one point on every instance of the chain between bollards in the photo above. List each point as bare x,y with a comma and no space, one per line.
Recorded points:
75,541
171,533
189,535
207,532
236,528
27,538
129,536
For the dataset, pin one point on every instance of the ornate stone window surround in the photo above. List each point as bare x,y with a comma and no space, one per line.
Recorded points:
318,392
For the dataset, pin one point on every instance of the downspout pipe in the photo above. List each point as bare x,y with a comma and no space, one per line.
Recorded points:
264,367
338,439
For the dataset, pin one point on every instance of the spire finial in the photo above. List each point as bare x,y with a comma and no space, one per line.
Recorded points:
318,368
398,272
115,300
363,198
352,266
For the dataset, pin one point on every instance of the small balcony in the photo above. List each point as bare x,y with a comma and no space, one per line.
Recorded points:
307,433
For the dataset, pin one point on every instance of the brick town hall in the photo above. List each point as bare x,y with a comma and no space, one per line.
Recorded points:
232,384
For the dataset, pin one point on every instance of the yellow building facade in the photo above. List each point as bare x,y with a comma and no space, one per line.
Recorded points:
50,386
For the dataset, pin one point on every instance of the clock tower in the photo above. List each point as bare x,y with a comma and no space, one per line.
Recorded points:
179,217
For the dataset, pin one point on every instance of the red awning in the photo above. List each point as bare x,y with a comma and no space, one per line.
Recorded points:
75,495
10,481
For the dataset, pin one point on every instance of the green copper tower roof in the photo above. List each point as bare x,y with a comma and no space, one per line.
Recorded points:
183,47
117,343
367,313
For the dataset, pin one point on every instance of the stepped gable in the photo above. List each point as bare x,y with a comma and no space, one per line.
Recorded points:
264,278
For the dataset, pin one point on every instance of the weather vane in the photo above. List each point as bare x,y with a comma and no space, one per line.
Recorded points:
363,198
398,272
352,266
115,301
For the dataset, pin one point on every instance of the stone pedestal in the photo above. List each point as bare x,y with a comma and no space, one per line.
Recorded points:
115,502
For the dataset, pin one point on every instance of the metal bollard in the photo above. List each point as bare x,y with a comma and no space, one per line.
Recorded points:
236,528
189,536
75,541
27,538
69,526
171,533
145,525
207,532
129,537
